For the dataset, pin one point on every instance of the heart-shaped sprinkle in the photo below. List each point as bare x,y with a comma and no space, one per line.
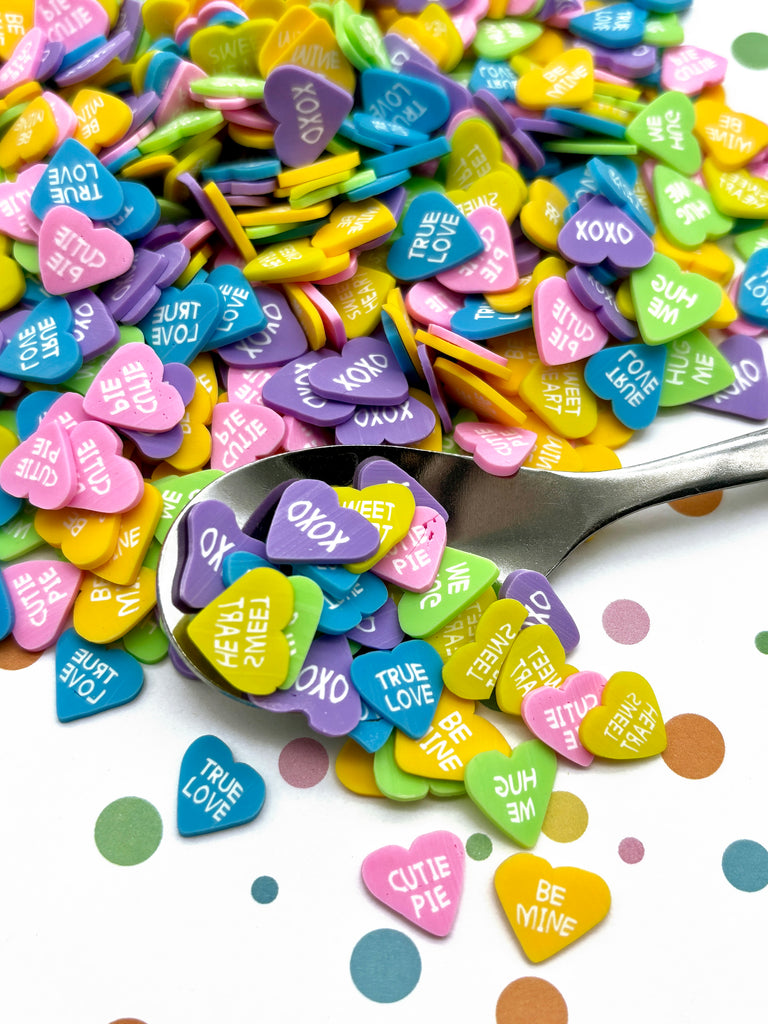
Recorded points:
690,69
630,377
364,373
339,616
288,391
423,883
42,593
75,254
748,395
472,671
42,468
669,301
106,482
43,350
403,424
493,270
687,214
103,119
215,791
74,177
567,80
281,340
22,66
462,576
181,324
242,433
620,26
513,791
496,449
380,631
694,369
560,397
392,781
381,471
565,330
241,313
536,659
664,129
16,217
91,678
371,732
628,723
129,391
435,236
94,329
391,95
599,232
390,507
403,685
104,611
549,908
309,110
414,561
543,607
555,714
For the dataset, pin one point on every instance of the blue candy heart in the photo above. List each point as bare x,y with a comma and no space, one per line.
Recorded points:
75,177
179,326
238,563
402,685
42,350
496,77
242,314
753,291
140,212
91,678
7,616
371,732
478,321
630,377
404,99
31,409
215,791
435,236
366,597
616,27
334,580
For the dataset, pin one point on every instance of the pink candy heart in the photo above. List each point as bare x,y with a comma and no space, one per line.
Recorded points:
423,883
16,218
106,482
59,25
689,69
430,303
23,63
42,593
242,433
555,714
495,269
75,254
564,329
413,562
299,436
496,449
41,468
129,391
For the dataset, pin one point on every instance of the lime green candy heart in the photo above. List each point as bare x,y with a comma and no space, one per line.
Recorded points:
687,214
497,40
146,642
694,369
359,38
393,782
229,85
460,578
174,134
750,241
670,302
176,492
665,130
300,631
513,792
26,255
663,30
18,536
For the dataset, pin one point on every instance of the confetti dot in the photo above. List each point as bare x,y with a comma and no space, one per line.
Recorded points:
128,831
385,965
695,746
264,889
626,622
479,846
745,865
697,504
531,999
566,818
303,763
14,657
751,50
761,642
127,1020
631,850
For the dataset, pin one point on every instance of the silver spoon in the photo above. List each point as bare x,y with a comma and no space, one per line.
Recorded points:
531,521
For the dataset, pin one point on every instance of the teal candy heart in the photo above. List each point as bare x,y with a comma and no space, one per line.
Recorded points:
242,314
393,96
630,377
140,212
478,321
180,324
402,685
616,27
42,350
435,236
6,609
91,678
371,732
215,791
366,597
753,290
75,177
238,563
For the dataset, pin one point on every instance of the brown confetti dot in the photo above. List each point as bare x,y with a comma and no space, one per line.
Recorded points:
697,504
695,746
14,657
531,999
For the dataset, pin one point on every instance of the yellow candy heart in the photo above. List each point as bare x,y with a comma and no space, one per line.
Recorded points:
439,26
475,152
316,50
731,139
17,17
521,296
86,539
286,261
542,216
353,224
104,612
550,450
415,32
709,260
549,908
241,631
627,724
137,528
596,457
30,137
160,16
736,193
462,630
102,119
359,300
230,49
390,507
503,188
195,449
453,739
289,27
609,430
306,313
567,81
519,349
536,659
12,282
472,671
205,375
433,442
560,396
354,770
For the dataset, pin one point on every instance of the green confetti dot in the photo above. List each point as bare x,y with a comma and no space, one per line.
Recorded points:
751,50
761,641
128,831
479,846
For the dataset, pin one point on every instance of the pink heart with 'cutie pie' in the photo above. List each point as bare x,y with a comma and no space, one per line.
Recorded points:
129,391
554,714
106,482
565,330
75,254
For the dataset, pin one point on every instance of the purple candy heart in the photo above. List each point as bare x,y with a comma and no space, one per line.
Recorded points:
364,373
94,328
748,395
280,341
599,298
129,20
636,62
601,231
142,108
380,631
309,110
157,447
544,607
309,525
182,378
376,470
419,66
94,61
176,256
544,126
406,423
51,59
120,295
288,392
435,390
323,691
248,188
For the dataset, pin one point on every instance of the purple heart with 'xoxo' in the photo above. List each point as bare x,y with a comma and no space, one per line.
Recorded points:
309,110
534,591
380,631
280,341
601,231
289,392
94,328
406,423
365,372
748,395
323,691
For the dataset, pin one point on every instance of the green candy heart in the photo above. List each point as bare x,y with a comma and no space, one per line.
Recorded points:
176,492
460,578
229,85
663,30
670,302
174,134
300,631
665,130
147,642
748,242
694,369
392,780
26,255
497,40
18,536
513,792
686,212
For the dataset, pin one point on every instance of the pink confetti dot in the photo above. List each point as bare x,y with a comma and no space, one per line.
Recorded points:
303,763
626,622
631,851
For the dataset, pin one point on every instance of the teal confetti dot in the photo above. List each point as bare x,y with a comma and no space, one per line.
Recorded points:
745,865
264,889
761,641
479,846
385,965
751,50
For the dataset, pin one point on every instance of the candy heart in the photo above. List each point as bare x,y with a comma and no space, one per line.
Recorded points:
91,22
323,692
617,27
75,254
601,300
630,377
371,732
309,110
748,395
288,391
103,119
242,314
601,231
42,593
30,137
472,671
390,507
513,791
694,369
16,217
554,715
687,214
380,631
140,212
91,678
104,612
536,659
435,236
496,449
401,98
391,780
334,580
495,269
560,397
669,301
86,539
76,178
241,631
753,294
413,562
364,373
500,39
479,321
310,526
23,64
665,130
565,330
215,791
106,482
339,616
462,576
423,883
628,722
549,908
543,607
94,330
180,325
242,433
502,189
403,424
690,69
43,350
129,391
42,468
402,685
567,80
281,340
736,193
456,735
230,49
381,471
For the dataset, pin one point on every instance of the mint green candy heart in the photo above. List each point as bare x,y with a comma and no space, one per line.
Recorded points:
359,38
497,40
146,641
229,85
665,130
300,631
663,30
514,791
687,214
446,788
18,536
748,242
694,369
670,302
460,578
26,255
176,492
393,782
192,123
